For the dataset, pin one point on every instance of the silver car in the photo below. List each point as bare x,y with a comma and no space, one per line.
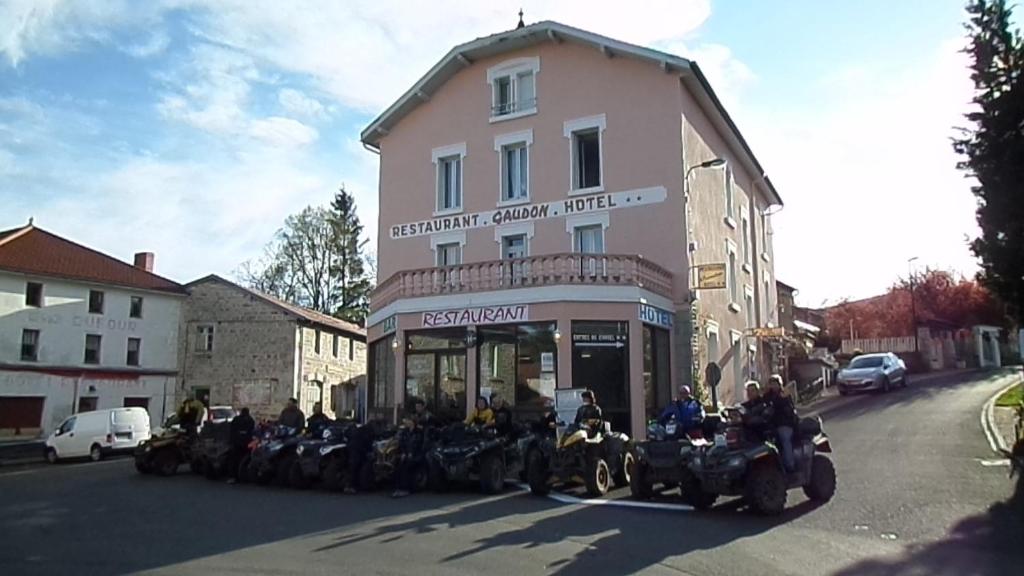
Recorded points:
872,372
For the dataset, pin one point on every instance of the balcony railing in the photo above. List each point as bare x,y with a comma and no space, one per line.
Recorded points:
534,271
503,108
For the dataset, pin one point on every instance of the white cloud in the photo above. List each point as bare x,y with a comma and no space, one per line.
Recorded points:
157,43
278,131
299,104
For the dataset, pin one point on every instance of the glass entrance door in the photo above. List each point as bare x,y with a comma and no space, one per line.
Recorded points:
600,362
439,378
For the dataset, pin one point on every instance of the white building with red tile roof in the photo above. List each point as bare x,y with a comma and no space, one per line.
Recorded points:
81,330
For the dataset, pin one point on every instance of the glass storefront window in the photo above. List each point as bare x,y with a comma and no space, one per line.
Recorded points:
381,379
437,340
657,380
435,371
518,363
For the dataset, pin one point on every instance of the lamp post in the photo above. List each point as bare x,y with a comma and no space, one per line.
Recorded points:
690,249
913,301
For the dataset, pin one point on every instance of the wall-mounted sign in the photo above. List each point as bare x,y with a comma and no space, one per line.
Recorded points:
474,316
775,332
711,277
530,212
390,324
654,315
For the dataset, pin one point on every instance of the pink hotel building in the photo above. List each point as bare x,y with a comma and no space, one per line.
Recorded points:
545,194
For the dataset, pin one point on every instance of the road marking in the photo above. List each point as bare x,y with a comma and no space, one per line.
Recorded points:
567,499
992,463
988,423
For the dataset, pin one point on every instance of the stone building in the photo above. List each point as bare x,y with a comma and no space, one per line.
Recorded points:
81,331
244,348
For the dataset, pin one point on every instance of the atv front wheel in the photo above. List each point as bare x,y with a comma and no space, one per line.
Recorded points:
166,463
283,469
822,486
436,478
334,475
639,486
694,494
598,478
367,477
296,478
245,469
492,474
537,473
766,489
625,470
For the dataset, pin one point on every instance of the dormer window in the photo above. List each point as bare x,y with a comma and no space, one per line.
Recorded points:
513,88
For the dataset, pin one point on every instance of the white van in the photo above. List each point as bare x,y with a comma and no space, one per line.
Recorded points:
97,433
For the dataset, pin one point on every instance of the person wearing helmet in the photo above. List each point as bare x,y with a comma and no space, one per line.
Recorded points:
481,415
686,411
589,410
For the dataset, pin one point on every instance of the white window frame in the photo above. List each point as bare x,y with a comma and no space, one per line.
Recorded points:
447,239
526,243
748,241
766,282
732,275
444,153
765,227
729,186
208,339
751,363
517,229
711,328
748,306
569,128
524,137
512,69
582,220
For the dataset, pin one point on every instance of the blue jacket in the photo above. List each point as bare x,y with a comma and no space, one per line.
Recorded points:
689,414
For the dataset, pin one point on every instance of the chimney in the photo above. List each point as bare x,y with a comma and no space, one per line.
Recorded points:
144,261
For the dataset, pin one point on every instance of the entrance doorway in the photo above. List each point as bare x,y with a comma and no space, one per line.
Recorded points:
435,370
657,377
600,362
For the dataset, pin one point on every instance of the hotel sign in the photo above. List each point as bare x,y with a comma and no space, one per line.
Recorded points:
654,315
532,212
475,316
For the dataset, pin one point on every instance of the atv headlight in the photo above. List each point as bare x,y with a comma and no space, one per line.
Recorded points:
300,449
148,447
735,461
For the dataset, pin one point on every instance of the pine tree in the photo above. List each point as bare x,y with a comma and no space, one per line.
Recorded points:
994,149
353,284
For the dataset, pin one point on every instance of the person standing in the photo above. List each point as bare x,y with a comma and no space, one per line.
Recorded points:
291,416
241,430
412,457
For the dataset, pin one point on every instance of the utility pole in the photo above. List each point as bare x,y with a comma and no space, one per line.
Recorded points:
913,302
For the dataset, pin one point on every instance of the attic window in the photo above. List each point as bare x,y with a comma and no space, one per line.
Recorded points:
513,88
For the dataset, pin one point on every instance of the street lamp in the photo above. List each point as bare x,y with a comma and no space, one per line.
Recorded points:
690,249
913,302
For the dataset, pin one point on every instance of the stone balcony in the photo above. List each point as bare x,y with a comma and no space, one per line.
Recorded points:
535,271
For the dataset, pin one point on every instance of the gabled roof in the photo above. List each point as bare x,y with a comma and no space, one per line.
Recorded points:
548,31
297,312
34,251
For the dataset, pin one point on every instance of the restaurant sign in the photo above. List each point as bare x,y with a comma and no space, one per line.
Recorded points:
475,316
532,212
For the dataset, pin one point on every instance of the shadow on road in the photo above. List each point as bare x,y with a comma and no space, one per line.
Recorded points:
991,543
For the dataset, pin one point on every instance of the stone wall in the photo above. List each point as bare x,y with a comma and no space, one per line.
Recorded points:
252,363
341,378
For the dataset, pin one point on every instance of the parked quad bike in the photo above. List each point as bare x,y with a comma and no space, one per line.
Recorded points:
270,456
662,459
213,454
738,464
163,454
382,463
475,454
320,459
590,454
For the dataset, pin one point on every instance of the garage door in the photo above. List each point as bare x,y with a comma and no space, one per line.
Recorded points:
21,411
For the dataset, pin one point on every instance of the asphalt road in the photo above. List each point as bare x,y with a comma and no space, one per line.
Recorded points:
913,498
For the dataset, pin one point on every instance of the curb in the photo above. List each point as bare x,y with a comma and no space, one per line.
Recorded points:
988,424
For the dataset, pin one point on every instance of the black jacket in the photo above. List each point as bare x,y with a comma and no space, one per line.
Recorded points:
782,412
588,412
503,420
242,427
292,417
426,419
316,424
412,443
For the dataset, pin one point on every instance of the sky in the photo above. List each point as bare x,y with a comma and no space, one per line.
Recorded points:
192,128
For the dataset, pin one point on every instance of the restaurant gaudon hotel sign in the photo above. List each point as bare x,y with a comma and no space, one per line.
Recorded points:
530,212
474,316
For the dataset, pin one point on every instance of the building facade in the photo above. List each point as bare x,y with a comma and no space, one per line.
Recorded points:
243,348
81,331
545,195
